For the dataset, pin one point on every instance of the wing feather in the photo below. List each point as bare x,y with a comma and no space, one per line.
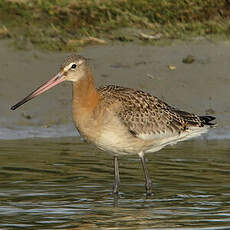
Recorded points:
146,116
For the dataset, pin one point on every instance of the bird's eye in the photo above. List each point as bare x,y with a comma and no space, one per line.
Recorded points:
73,66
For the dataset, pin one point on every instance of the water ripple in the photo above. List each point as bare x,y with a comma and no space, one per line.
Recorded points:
66,184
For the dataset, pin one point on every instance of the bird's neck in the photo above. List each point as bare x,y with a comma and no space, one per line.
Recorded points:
85,95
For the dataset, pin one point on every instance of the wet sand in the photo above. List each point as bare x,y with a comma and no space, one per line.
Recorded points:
201,87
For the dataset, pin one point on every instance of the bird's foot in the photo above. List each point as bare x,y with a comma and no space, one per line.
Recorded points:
115,188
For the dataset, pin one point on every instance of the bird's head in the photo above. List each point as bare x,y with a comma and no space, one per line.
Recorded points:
74,68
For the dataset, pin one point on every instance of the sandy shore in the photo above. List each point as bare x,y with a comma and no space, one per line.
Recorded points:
201,87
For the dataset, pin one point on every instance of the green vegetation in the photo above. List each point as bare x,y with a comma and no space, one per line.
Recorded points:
68,24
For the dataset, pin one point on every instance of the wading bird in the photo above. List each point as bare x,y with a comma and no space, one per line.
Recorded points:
122,120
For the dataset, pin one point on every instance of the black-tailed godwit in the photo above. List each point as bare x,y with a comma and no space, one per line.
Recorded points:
122,120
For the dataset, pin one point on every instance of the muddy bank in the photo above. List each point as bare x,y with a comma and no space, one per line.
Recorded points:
201,87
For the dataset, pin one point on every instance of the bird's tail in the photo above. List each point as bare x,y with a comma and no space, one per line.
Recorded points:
206,120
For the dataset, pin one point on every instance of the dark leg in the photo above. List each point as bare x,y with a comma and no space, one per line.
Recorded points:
148,183
116,176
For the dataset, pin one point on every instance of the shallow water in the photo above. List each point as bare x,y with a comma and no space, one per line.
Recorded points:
66,184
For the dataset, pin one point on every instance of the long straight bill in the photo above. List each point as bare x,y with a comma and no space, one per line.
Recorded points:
46,86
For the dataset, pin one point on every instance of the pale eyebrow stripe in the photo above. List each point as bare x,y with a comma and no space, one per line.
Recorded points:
69,66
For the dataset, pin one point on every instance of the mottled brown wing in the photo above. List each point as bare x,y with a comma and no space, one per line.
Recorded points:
147,116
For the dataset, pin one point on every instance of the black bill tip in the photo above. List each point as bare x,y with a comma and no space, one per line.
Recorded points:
14,107
23,101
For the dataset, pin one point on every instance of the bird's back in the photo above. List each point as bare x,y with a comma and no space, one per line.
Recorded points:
149,118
